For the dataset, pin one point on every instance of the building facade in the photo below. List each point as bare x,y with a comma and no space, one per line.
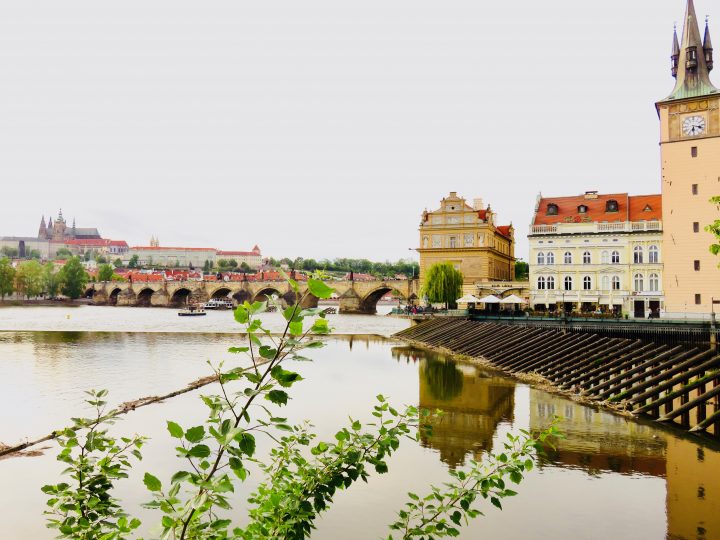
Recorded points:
469,238
597,252
690,155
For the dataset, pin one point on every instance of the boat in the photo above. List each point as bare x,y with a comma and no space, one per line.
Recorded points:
219,303
192,311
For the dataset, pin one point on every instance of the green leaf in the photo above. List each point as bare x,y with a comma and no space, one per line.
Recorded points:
279,397
195,434
151,482
320,289
175,430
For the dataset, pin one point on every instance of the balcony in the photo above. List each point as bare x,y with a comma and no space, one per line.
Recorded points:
594,228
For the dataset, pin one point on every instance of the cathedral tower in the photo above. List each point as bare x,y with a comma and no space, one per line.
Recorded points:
690,160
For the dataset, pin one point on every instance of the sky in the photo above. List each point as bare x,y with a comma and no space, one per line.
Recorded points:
322,128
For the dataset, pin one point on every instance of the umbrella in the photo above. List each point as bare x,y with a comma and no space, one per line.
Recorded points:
512,299
490,299
468,299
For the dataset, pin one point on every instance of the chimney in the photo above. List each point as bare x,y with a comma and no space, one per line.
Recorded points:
478,204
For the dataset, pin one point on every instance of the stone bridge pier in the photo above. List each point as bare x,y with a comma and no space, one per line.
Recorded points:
353,296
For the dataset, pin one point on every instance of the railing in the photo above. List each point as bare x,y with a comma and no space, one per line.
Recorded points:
572,227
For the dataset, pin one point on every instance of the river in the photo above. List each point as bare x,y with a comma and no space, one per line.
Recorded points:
609,477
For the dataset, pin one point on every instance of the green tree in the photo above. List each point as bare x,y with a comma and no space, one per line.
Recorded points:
7,278
443,284
714,228
522,271
52,279
105,272
117,263
9,252
134,260
74,278
29,280
63,253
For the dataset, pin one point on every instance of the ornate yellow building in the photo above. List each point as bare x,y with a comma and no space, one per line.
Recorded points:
690,153
468,237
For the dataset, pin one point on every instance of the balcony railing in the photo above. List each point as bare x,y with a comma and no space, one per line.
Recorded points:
590,228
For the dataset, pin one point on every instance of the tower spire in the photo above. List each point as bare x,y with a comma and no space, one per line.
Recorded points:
693,61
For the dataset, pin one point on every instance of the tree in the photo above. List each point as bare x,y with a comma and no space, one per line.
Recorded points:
52,280
74,278
29,280
7,278
134,260
63,253
9,252
117,263
105,273
443,284
522,271
714,228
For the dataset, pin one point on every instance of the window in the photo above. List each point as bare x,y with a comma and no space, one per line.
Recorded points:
551,283
697,266
616,283
606,283
654,282
693,151
541,258
552,209
568,257
611,206
541,283
696,226
654,255
605,257
587,283
638,283
550,258
587,259
694,189
568,283
698,299
638,255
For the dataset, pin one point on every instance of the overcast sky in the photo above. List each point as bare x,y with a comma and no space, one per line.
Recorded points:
322,128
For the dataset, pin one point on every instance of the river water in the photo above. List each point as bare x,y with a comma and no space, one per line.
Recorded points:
609,477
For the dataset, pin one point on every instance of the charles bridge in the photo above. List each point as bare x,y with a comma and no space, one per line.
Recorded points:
353,296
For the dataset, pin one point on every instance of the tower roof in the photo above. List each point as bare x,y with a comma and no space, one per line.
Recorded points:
693,75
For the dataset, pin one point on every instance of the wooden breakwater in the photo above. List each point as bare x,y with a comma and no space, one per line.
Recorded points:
678,384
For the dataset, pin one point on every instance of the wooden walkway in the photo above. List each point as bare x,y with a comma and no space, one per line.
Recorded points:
677,384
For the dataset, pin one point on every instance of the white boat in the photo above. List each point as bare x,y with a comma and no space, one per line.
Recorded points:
219,303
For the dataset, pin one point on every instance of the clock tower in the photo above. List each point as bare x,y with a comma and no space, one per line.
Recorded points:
690,160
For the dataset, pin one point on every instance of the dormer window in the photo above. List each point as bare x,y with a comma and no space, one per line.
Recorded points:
611,206
582,209
552,209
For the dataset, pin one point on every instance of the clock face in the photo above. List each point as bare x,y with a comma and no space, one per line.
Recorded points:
693,126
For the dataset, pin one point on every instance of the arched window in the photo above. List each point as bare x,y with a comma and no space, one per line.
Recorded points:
550,258
568,283
587,258
541,283
654,282
587,283
605,257
541,258
654,254
568,257
638,283
606,283
638,255
616,283
551,283
615,258
552,209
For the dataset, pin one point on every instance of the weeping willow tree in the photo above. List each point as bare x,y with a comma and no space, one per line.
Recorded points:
443,284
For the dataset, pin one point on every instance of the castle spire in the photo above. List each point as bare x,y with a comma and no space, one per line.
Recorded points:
693,68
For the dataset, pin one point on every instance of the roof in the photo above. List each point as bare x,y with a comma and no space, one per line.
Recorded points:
630,208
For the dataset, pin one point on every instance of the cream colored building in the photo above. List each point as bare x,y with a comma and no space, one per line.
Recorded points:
469,238
597,251
690,155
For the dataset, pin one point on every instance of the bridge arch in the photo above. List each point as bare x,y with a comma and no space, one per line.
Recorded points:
368,304
113,297
180,297
144,297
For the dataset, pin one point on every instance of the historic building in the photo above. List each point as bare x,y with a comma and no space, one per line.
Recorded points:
690,155
469,238
592,251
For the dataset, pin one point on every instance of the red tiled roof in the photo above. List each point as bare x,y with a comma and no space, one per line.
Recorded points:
630,208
